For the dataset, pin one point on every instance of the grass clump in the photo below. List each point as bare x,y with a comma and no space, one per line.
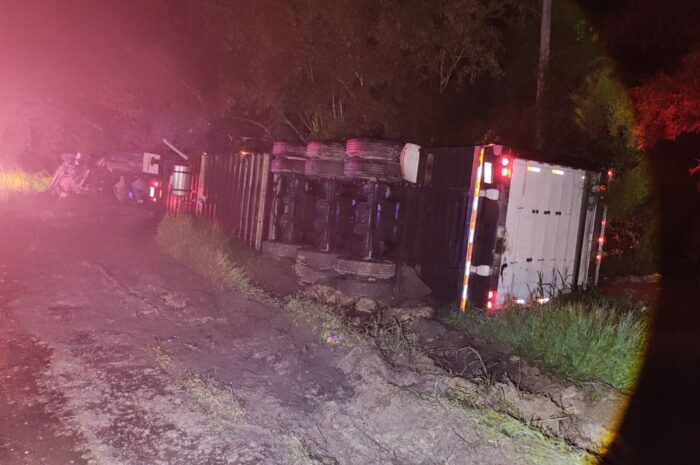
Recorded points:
302,454
536,447
204,248
324,321
571,339
498,427
18,180
215,397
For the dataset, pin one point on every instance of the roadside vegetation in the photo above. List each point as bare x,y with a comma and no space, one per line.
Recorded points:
583,337
17,180
325,322
205,248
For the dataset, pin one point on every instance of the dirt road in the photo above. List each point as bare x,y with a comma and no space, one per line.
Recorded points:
113,353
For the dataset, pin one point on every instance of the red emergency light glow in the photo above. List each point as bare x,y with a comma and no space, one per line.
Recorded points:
610,174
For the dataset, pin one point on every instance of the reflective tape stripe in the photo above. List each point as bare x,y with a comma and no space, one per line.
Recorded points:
472,228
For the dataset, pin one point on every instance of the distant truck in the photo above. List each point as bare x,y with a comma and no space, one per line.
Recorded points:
490,225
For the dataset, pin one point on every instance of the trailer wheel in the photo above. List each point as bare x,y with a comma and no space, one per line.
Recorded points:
373,149
326,151
282,149
324,168
280,249
366,268
287,165
369,169
315,259
309,275
380,290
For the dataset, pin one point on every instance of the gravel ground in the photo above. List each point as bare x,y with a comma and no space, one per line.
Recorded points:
113,353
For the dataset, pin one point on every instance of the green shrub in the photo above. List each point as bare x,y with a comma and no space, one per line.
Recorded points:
583,341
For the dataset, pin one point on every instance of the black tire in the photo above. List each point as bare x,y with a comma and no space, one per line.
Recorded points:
326,150
369,169
373,149
286,165
379,290
281,149
324,168
280,249
308,275
374,269
315,259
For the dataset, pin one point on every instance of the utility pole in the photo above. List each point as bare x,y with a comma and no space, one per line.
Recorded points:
545,33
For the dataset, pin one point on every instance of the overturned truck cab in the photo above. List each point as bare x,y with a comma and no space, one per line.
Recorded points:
491,225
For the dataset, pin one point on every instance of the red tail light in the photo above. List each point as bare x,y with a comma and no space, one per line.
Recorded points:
505,167
491,301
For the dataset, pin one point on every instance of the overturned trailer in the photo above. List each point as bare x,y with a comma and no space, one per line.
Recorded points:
492,224
482,225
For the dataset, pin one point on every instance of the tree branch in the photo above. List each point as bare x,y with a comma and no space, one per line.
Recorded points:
446,77
294,128
268,133
696,168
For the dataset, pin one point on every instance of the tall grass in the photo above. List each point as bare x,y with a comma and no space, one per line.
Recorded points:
204,248
571,339
18,180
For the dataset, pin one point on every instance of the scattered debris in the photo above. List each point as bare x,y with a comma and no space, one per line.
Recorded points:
407,313
365,305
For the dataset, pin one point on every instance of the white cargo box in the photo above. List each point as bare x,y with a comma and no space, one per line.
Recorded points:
543,220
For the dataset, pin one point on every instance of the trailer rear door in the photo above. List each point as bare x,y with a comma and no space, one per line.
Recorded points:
541,230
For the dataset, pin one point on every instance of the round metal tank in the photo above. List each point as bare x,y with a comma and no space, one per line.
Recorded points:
180,180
